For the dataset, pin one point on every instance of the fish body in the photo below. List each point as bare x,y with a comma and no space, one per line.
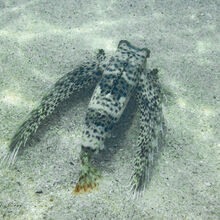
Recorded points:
112,93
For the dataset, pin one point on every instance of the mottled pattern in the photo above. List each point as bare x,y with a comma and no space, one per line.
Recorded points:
123,75
112,93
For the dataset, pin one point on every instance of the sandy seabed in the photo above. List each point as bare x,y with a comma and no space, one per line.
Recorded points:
40,40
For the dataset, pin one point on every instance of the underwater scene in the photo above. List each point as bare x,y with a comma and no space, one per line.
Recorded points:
109,109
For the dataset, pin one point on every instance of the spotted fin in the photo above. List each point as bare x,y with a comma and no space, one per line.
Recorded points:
86,74
151,126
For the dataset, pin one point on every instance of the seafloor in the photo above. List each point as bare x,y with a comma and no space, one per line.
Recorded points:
40,40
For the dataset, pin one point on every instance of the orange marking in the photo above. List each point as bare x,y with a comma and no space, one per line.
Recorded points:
85,188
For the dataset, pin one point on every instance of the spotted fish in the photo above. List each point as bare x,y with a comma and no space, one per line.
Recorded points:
123,75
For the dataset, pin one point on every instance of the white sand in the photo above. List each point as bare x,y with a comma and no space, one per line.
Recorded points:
40,40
